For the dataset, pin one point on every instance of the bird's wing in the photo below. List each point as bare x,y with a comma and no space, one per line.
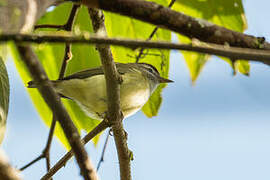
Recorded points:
95,71
85,74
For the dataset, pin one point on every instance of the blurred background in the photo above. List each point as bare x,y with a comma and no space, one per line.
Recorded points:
217,129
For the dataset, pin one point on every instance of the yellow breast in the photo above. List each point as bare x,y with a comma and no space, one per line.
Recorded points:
90,93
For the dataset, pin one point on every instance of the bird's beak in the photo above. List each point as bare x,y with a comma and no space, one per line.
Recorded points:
164,80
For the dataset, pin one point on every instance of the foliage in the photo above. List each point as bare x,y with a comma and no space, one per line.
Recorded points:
227,13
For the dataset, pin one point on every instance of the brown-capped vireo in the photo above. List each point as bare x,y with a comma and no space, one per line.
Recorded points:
88,88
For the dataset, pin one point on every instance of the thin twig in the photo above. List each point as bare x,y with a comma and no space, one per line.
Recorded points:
50,26
103,151
67,57
61,163
45,152
47,148
260,55
32,162
67,26
141,52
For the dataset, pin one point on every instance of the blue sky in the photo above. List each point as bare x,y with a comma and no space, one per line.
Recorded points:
217,129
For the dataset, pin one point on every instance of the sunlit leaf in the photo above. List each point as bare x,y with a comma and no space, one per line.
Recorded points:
4,98
194,61
119,26
229,13
152,106
243,67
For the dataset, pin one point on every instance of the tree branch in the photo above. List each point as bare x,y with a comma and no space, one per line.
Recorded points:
103,151
67,26
215,49
61,163
67,56
178,22
54,102
113,80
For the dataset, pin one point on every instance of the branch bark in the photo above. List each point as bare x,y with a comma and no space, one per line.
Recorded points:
67,56
258,55
164,17
54,102
113,80
61,163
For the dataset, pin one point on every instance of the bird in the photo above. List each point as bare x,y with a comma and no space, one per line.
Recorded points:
88,88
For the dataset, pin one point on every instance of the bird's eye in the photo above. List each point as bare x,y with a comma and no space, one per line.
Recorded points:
150,70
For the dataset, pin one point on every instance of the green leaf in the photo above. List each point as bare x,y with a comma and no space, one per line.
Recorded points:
51,56
120,26
243,67
194,61
152,106
229,13
4,98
